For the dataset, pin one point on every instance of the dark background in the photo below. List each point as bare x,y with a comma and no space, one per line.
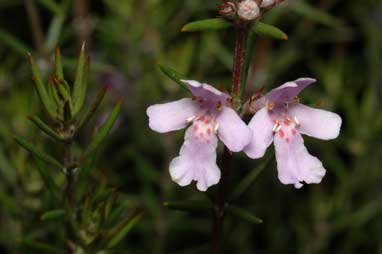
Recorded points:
339,42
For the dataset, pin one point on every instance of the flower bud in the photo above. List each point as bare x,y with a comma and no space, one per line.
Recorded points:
248,10
227,9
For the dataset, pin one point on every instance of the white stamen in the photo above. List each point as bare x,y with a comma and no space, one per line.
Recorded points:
190,119
216,128
296,121
278,128
275,127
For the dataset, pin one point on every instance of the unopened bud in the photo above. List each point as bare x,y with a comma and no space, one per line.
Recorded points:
227,9
248,10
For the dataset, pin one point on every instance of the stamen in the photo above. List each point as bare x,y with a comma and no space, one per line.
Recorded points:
297,121
278,128
275,126
219,105
216,128
190,119
269,105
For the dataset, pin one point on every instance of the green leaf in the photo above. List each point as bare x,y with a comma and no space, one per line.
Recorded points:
104,130
244,214
39,154
46,101
63,89
54,31
189,206
116,234
59,69
53,214
249,179
45,128
173,75
93,107
269,31
206,24
80,83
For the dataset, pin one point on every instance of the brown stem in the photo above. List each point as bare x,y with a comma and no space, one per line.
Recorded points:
220,201
239,58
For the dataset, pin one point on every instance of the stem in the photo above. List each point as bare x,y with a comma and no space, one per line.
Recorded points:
69,189
220,201
68,194
239,58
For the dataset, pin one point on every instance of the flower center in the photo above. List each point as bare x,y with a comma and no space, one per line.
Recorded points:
203,128
285,127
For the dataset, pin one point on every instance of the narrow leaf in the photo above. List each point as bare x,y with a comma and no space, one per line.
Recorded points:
54,31
189,206
79,89
243,214
45,128
104,130
39,154
93,107
173,75
41,89
206,24
63,89
59,69
119,232
53,214
269,31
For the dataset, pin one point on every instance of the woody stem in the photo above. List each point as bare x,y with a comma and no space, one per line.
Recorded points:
220,200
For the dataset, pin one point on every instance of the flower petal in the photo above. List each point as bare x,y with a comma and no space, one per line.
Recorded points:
206,91
289,90
294,163
171,116
317,123
196,161
261,125
232,131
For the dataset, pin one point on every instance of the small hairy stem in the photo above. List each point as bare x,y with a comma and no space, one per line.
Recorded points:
220,200
239,58
68,194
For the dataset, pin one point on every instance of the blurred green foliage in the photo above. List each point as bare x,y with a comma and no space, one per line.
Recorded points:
339,42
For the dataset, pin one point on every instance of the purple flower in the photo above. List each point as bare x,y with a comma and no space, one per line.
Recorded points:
210,116
282,119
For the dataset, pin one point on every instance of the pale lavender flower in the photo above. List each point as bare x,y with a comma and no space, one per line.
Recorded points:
282,120
210,116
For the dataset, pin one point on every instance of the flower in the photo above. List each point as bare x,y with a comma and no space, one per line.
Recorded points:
210,116
282,119
248,10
